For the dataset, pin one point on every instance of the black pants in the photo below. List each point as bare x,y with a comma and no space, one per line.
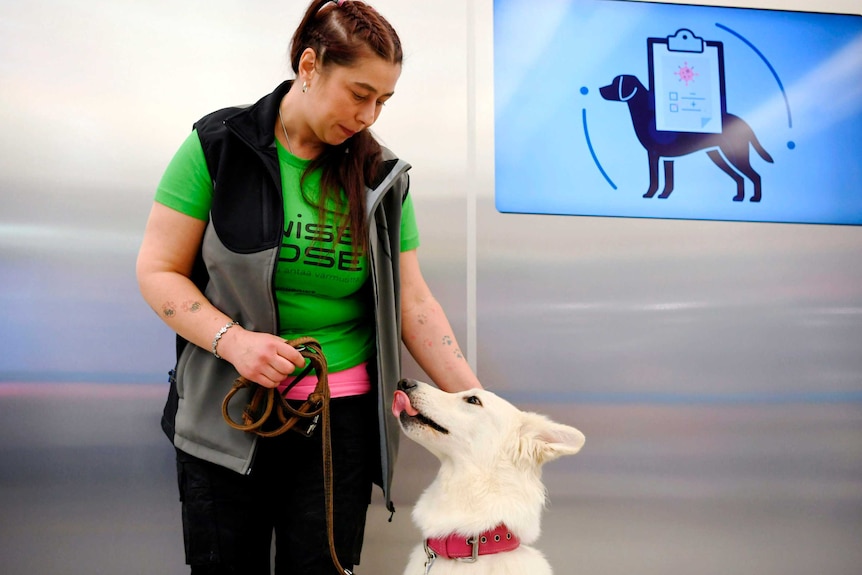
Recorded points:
229,519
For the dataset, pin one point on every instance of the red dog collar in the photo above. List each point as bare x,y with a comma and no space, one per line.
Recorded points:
497,540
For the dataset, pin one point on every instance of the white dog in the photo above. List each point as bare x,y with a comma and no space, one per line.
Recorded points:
483,509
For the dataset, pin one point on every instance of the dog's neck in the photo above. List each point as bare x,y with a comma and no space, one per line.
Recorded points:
470,500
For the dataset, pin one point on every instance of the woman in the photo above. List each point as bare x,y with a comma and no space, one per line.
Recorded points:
280,220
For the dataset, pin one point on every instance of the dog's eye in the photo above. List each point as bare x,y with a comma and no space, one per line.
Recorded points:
474,400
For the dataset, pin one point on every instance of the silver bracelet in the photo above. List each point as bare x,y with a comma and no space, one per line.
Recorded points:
218,336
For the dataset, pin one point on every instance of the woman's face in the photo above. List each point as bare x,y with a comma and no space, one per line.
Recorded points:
346,100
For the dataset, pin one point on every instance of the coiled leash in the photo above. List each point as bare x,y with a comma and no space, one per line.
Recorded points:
268,406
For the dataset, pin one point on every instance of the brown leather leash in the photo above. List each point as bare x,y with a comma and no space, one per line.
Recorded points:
267,403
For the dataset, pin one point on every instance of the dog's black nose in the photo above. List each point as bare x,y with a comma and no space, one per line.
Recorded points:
406,384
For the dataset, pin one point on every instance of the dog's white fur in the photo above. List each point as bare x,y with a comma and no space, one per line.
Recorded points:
490,473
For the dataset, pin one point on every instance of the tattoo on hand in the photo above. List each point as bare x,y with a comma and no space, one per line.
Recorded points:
422,319
447,340
192,306
458,353
169,309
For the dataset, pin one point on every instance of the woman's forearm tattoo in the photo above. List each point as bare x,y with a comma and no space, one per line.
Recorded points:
448,341
169,308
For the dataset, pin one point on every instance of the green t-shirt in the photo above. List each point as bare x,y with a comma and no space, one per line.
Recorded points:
321,289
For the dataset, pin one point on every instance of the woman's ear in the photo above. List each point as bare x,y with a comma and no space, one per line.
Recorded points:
307,66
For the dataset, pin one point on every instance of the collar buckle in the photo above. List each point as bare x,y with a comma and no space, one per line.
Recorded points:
474,543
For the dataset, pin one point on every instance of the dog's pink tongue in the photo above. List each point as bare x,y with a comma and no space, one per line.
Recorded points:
402,403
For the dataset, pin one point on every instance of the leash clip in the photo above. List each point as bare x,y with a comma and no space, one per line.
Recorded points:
431,555
308,430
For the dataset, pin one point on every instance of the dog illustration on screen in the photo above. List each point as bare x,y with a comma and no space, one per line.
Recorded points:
685,112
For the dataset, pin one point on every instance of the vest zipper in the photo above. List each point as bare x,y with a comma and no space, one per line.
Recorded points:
267,229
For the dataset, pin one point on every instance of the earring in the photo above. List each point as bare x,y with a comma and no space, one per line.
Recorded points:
304,87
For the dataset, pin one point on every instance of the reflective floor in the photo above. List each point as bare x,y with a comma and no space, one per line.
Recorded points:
87,487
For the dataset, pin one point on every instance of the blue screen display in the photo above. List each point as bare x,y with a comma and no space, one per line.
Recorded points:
635,109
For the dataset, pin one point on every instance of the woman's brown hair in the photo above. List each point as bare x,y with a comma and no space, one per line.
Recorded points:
340,33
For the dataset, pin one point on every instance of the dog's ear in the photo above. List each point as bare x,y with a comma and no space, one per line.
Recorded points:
544,440
627,84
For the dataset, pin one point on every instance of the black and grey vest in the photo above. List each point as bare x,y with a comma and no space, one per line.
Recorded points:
235,268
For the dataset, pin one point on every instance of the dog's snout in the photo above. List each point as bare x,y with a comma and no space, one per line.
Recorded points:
608,92
407,384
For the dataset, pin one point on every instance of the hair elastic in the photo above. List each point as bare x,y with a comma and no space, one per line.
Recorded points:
338,4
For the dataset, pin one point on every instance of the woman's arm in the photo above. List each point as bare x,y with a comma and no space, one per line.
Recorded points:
170,246
427,333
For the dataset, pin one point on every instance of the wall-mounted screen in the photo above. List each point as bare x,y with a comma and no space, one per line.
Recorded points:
641,109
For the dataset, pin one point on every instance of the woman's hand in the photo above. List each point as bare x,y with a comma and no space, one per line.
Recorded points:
263,358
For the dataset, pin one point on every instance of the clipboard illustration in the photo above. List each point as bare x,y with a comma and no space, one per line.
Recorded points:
684,111
686,77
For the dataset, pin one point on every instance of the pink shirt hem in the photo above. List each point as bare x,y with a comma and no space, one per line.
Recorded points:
344,383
